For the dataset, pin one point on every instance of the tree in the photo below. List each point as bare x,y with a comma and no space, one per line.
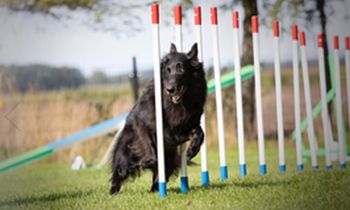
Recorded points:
98,78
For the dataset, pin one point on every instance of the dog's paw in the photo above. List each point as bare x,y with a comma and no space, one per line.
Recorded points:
114,190
154,187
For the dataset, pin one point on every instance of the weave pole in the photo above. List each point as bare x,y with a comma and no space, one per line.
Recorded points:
259,112
325,114
347,69
158,100
218,94
204,161
308,103
297,115
277,67
178,41
238,87
338,103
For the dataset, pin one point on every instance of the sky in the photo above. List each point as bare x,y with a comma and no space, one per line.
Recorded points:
38,39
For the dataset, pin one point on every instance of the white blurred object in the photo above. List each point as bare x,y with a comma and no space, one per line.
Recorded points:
78,163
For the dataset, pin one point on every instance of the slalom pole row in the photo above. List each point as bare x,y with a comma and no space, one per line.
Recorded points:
299,51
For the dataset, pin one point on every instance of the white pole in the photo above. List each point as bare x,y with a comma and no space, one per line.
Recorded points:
308,104
238,86
276,50
158,101
218,95
178,37
198,28
347,68
296,97
338,103
259,112
325,114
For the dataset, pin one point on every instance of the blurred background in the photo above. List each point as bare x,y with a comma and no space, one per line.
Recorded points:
66,65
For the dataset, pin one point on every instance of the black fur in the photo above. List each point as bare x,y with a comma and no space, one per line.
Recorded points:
184,92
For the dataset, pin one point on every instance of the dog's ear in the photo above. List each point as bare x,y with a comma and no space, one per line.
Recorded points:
193,53
173,48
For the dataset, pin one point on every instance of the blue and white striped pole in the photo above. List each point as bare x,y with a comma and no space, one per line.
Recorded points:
339,103
325,114
158,101
276,50
259,111
204,162
308,104
218,94
239,105
178,37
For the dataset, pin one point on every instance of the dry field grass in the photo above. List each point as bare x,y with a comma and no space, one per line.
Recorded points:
41,117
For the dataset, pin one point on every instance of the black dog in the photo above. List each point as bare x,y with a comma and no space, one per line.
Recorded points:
184,94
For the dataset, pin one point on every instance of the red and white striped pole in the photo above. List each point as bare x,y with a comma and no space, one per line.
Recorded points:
198,28
218,94
259,112
277,67
339,102
178,41
347,68
158,100
308,103
325,114
297,114
238,85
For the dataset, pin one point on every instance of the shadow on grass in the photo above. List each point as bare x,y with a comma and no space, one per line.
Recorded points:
236,184
45,198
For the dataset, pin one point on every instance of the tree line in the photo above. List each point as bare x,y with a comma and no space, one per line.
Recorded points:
39,78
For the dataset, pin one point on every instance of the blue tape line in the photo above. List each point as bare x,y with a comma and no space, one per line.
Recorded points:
262,169
328,168
184,184
87,132
162,189
282,168
343,165
205,178
243,169
300,167
315,167
223,172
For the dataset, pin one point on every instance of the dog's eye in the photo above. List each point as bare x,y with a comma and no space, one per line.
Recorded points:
168,69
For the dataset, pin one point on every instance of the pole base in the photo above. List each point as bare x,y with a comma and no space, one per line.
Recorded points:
223,173
162,189
343,165
300,167
184,184
243,170
262,169
205,178
328,168
282,168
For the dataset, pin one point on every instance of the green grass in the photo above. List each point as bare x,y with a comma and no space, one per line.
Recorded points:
55,186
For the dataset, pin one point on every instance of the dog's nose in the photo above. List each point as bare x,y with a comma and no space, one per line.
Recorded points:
170,89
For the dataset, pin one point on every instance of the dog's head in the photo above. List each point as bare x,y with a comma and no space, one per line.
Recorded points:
178,70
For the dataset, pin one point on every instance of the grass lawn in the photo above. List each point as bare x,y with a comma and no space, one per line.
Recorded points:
55,186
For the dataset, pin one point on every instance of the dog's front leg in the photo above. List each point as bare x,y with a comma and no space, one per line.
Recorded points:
197,137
